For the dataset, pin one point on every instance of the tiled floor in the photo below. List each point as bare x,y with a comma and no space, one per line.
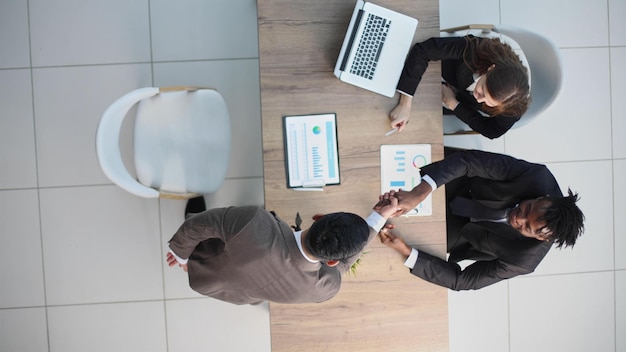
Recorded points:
82,261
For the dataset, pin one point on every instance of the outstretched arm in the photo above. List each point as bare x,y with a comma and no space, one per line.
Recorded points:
433,49
417,61
475,276
450,275
476,163
399,116
395,242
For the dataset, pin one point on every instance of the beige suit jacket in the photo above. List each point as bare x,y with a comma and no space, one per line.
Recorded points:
246,255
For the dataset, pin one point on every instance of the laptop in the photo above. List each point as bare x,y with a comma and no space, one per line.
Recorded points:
375,47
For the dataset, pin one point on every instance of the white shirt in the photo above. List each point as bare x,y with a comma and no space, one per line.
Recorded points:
472,86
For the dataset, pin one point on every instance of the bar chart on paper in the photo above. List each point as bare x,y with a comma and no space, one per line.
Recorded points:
400,169
311,150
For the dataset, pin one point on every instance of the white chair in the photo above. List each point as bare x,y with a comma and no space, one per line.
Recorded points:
181,142
539,54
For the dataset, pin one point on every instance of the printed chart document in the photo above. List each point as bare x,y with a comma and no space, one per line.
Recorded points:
312,158
400,168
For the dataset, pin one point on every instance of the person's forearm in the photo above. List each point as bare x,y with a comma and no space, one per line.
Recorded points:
404,250
421,191
405,100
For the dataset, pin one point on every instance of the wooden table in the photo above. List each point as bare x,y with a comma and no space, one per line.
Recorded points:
383,307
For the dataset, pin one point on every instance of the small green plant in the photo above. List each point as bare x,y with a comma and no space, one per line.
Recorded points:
356,264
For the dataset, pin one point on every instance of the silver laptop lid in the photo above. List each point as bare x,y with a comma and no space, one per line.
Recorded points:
379,76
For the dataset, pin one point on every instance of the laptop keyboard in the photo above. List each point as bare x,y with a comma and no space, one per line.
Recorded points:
370,46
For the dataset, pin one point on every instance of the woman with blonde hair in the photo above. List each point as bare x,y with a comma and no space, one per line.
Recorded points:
484,82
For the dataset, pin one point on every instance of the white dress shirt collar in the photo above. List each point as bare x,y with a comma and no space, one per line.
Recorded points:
298,236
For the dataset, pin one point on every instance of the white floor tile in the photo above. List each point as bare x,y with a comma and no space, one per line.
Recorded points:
177,282
620,310
454,13
567,27
75,32
200,30
100,244
238,82
14,50
21,277
569,130
67,116
23,330
479,320
17,130
617,25
138,326
594,249
618,92
212,325
619,209
563,313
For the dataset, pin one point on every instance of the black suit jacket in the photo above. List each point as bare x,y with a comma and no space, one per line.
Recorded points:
453,53
500,252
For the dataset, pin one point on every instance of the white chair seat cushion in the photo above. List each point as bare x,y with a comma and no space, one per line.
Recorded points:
182,141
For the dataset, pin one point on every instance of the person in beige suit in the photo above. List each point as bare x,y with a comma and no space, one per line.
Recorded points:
247,255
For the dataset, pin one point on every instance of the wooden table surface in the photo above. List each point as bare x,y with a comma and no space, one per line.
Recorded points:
383,307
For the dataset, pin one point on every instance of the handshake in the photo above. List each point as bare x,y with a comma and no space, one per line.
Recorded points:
406,200
392,204
396,203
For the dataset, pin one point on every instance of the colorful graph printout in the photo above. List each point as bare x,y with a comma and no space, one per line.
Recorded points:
399,169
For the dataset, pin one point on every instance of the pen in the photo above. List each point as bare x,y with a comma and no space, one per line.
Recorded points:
392,131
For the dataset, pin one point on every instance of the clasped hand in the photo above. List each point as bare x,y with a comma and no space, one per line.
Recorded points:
404,201
407,200
392,241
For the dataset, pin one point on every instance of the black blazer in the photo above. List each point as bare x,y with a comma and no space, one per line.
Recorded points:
453,51
500,251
